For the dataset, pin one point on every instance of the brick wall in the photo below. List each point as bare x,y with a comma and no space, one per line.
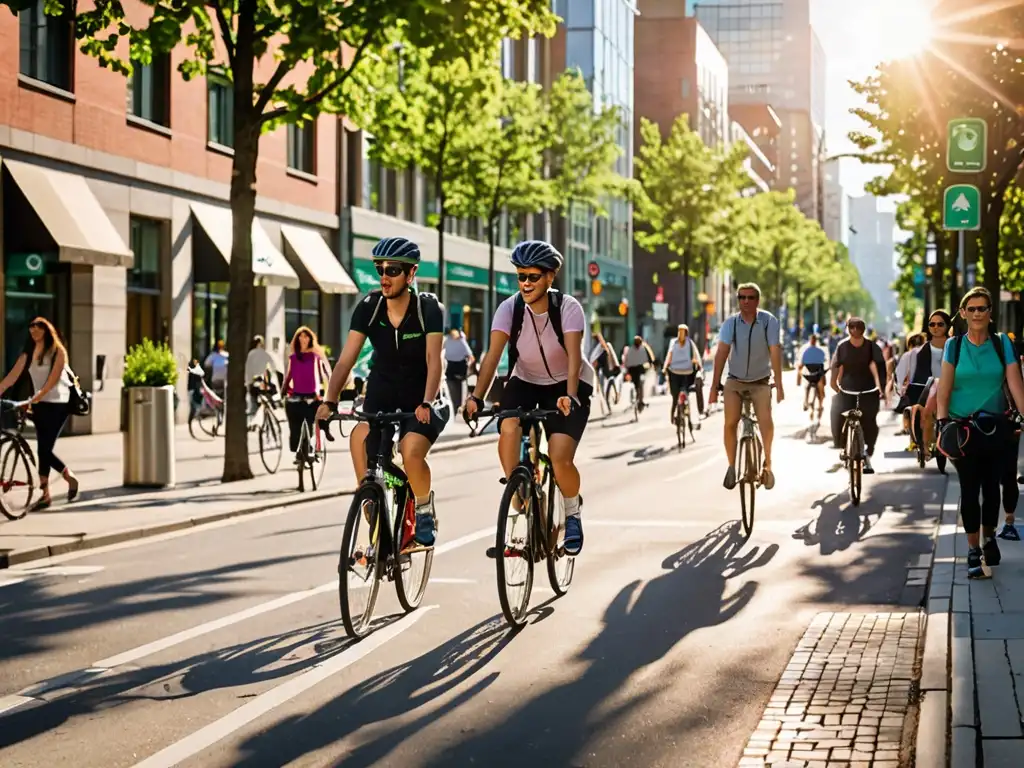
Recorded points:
96,118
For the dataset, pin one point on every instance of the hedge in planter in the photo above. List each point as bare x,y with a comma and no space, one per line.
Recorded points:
150,365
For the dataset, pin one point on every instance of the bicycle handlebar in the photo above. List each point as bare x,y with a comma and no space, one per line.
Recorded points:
14,404
537,414
378,418
858,394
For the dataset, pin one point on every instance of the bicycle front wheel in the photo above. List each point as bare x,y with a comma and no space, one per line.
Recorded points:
17,481
271,445
513,547
855,457
359,563
318,456
677,417
560,566
412,562
748,472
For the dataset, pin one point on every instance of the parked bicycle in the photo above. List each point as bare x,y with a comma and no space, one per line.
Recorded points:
749,454
854,447
531,520
264,422
388,550
17,462
206,407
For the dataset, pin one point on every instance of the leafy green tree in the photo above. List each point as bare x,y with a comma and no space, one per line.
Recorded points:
683,188
502,171
310,54
432,114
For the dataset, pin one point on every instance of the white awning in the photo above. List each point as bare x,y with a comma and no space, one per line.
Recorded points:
318,259
269,265
72,215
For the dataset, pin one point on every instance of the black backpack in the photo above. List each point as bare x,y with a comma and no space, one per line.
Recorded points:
417,297
519,314
995,338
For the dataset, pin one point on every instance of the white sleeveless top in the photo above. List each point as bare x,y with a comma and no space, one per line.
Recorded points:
40,372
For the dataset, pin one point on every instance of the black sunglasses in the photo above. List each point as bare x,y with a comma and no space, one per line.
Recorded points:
977,310
855,327
939,324
748,297
391,270
531,277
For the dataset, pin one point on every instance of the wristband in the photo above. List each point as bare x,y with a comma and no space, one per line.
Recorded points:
331,406
477,400
425,404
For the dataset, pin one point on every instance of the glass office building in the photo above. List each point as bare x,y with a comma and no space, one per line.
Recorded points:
599,43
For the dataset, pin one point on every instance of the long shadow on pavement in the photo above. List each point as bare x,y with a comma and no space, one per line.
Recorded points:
553,726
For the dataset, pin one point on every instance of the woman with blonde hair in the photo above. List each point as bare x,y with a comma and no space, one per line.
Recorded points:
303,382
46,360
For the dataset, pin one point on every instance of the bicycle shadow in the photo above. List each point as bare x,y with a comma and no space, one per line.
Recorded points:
838,526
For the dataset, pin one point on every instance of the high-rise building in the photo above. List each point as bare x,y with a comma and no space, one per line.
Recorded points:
872,251
836,217
596,38
776,59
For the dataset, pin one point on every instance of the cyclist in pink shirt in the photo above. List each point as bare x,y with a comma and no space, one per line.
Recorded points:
303,382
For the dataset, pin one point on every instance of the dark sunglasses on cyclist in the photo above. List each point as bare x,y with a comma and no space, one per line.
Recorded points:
855,327
531,277
977,310
748,297
391,270
939,324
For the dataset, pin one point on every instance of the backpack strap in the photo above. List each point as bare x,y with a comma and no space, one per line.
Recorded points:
376,309
518,313
555,315
995,338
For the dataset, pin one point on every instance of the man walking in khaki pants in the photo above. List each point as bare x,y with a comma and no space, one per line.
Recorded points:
751,342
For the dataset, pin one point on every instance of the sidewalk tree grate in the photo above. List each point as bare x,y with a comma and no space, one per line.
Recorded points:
844,697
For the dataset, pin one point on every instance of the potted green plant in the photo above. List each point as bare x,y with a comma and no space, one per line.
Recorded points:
150,373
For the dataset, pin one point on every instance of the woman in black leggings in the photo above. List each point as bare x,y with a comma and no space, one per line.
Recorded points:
975,368
45,359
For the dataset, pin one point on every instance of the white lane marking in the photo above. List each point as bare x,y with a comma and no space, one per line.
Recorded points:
10,582
696,468
57,570
773,525
130,656
266,702
12,702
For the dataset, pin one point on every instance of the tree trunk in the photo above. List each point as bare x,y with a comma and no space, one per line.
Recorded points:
686,287
990,250
939,268
240,295
799,312
954,290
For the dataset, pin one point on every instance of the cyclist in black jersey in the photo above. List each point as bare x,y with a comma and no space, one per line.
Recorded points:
405,329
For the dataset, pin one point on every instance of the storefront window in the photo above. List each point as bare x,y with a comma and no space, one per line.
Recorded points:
209,318
143,279
301,308
35,285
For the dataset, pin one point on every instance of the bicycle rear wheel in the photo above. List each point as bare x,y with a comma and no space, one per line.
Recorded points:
271,445
560,566
17,481
747,472
514,546
413,562
359,562
680,426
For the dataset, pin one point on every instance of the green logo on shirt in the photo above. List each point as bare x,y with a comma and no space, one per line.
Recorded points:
411,336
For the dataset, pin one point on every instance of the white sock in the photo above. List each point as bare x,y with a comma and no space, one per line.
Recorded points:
572,506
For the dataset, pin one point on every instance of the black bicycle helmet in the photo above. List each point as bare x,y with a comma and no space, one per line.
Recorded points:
537,253
397,249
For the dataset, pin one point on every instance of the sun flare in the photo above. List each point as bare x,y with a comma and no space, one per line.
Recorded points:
893,29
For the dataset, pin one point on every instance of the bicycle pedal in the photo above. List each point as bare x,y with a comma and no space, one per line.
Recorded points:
415,547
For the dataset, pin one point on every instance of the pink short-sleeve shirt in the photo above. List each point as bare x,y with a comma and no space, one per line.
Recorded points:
530,365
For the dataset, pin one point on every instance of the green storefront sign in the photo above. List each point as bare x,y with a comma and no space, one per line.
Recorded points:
367,279
25,265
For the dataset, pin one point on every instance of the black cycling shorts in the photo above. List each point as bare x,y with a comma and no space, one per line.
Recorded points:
376,402
522,394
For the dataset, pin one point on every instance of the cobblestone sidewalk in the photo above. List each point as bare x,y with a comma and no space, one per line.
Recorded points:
843,699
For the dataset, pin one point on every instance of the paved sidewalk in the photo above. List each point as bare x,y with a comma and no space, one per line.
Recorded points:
107,512
974,655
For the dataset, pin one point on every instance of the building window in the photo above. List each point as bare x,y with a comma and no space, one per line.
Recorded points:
149,90
144,285
220,109
46,51
301,308
301,147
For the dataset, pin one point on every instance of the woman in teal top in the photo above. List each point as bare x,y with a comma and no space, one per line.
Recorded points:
973,389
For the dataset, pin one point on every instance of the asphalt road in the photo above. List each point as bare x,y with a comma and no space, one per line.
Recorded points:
222,645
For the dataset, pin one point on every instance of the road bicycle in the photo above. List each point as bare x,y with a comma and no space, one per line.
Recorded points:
855,450
311,453
531,518
749,455
385,502
681,416
265,423
17,462
815,403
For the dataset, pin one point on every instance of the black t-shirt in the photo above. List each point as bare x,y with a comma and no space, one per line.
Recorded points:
855,362
399,373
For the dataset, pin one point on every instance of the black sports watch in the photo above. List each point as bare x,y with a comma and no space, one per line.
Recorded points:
331,406
425,404
477,400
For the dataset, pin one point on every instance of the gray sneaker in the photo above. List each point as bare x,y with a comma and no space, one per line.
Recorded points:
767,479
730,479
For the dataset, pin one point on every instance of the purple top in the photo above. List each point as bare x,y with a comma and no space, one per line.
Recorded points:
530,365
303,371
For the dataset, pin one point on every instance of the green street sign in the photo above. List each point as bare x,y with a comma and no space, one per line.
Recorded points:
26,265
966,145
961,208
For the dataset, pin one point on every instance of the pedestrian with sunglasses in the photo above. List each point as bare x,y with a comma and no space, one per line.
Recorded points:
405,329
858,366
544,332
751,343
974,432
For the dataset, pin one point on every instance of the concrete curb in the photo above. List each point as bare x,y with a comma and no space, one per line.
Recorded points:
18,556
942,688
